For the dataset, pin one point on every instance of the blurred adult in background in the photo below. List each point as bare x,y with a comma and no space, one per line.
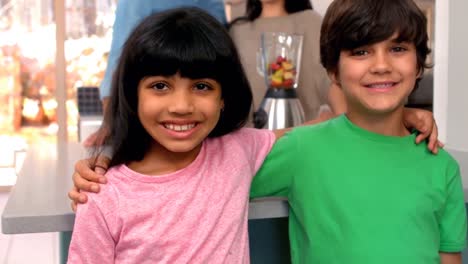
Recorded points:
294,17
128,14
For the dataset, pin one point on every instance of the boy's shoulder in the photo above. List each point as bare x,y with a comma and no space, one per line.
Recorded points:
443,157
312,138
322,129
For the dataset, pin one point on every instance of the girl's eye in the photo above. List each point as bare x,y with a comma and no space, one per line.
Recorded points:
202,86
398,49
159,86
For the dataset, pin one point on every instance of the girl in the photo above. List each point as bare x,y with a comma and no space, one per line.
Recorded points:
181,169
127,15
294,17
179,181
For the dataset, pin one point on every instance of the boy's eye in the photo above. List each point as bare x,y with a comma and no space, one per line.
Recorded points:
359,52
159,86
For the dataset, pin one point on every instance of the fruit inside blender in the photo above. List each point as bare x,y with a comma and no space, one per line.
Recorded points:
281,73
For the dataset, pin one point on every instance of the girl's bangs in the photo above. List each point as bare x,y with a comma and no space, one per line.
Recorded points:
196,60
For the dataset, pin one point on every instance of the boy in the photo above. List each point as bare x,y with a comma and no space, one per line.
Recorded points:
359,189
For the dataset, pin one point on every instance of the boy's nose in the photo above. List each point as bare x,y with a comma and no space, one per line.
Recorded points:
181,103
381,63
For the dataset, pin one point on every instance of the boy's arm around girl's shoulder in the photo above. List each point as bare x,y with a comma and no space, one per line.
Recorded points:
275,175
450,258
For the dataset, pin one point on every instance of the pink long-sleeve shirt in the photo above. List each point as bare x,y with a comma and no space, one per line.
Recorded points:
195,215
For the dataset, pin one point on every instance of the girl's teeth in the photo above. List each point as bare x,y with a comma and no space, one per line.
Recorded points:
179,128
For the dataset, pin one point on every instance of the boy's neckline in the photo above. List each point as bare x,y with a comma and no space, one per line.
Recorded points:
376,136
386,125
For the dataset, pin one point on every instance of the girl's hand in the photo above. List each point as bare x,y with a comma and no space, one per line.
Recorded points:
85,178
423,121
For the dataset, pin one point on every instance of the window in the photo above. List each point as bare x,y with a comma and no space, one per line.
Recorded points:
28,102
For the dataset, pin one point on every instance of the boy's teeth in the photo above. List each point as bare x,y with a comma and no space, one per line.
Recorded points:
381,85
179,127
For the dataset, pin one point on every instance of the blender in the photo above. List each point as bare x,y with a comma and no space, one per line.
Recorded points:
279,63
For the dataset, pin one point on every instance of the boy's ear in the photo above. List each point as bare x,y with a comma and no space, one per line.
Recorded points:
420,74
334,78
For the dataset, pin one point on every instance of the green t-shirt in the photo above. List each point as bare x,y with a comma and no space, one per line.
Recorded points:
363,198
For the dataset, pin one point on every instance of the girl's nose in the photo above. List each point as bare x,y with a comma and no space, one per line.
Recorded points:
181,102
381,63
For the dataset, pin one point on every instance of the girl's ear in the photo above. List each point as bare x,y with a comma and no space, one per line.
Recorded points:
222,105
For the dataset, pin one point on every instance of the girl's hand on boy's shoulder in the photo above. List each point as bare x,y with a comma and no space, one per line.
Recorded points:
85,178
424,122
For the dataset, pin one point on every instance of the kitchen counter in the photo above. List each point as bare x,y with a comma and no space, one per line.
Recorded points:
38,202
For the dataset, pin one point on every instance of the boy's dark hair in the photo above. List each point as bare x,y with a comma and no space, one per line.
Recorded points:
253,9
187,41
349,24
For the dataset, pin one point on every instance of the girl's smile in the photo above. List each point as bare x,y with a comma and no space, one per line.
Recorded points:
180,129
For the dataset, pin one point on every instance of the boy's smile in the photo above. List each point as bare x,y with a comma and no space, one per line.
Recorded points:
381,87
378,78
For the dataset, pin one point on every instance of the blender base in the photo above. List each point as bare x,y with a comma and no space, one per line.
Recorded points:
279,109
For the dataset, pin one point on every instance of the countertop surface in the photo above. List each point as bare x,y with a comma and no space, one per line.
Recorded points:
39,203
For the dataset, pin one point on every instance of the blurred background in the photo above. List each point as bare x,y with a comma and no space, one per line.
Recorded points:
28,101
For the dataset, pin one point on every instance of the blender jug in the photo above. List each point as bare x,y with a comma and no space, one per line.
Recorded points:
279,63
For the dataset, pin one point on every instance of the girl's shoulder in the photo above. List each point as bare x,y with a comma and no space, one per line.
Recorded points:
242,135
107,199
247,133
243,146
244,139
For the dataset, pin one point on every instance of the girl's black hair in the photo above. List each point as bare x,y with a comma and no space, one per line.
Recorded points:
187,41
253,9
